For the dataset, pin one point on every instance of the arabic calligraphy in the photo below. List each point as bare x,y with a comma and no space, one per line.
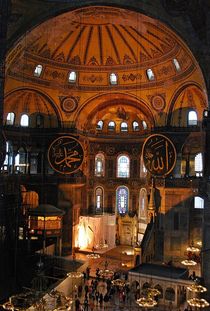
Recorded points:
159,155
65,154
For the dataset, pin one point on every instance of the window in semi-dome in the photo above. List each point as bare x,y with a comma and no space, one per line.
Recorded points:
39,120
124,127
123,166
150,75
111,126
135,126
99,198
144,124
122,199
10,118
113,78
38,71
198,165
72,77
176,64
100,125
99,164
24,121
192,118
198,202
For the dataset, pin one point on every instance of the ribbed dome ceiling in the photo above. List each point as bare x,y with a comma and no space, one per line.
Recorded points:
101,36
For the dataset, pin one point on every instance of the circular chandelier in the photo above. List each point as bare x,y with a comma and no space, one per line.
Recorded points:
106,273
152,292
8,306
193,249
146,302
74,275
93,256
62,308
188,262
102,245
119,282
198,302
197,288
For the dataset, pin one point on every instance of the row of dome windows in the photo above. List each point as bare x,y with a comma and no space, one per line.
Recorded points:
113,77
24,121
123,126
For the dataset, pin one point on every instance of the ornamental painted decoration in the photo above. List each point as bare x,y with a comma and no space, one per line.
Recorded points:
159,155
65,154
69,104
158,103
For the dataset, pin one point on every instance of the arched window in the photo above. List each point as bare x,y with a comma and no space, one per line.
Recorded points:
8,162
10,118
143,170
38,71
122,200
24,121
198,202
99,198
144,124
170,294
199,164
100,125
192,118
176,64
113,78
146,285
150,75
135,126
72,77
143,202
21,161
111,126
159,288
123,166
124,127
39,120
99,164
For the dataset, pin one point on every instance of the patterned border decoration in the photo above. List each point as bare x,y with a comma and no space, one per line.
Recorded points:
65,154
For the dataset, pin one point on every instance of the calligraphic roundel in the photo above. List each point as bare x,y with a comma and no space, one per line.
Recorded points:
159,155
65,154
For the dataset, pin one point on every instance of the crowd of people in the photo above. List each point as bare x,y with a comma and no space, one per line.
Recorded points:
95,293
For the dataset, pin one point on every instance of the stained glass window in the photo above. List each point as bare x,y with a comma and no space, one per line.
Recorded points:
99,164
122,200
99,198
123,166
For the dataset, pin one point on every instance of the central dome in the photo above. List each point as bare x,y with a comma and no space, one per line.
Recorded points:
101,36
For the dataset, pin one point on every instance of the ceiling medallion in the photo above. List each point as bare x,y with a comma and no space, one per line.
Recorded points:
159,155
158,103
69,104
65,154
